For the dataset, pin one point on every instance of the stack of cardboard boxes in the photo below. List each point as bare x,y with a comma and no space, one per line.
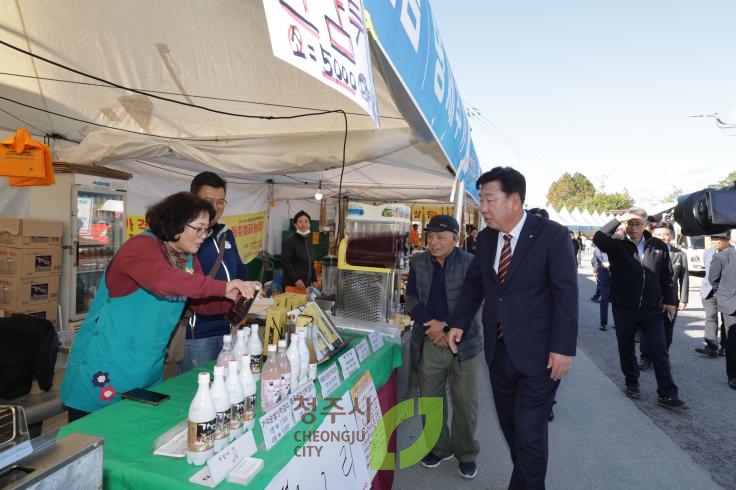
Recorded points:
30,267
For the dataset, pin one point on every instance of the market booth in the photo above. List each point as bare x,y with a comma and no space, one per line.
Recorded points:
241,103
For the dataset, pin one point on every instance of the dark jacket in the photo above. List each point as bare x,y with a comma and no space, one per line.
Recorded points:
680,273
455,266
201,326
643,284
297,260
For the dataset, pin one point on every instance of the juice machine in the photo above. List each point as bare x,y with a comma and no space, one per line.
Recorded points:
369,261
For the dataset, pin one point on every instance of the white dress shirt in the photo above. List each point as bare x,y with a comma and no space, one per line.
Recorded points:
515,232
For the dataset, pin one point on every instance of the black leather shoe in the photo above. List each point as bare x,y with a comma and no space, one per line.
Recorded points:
602,328
672,402
707,351
551,414
633,392
595,300
732,383
645,364
722,351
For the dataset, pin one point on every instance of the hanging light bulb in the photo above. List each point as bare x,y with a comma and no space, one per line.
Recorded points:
318,195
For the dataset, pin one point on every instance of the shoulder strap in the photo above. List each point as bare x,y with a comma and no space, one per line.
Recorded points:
218,261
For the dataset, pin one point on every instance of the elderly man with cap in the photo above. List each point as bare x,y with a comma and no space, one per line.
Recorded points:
718,243
435,282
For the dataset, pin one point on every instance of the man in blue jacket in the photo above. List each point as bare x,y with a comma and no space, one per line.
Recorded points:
204,332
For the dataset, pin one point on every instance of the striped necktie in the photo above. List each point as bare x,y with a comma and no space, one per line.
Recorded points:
503,268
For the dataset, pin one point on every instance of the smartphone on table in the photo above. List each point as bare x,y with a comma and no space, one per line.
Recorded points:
145,396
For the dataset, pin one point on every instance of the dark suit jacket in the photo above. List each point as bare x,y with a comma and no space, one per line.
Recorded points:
537,306
680,273
722,276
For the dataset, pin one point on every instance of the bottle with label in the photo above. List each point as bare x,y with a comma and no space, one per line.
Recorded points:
235,391
222,409
240,309
290,329
270,381
255,349
248,383
292,353
226,353
284,369
201,423
313,357
303,356
240,347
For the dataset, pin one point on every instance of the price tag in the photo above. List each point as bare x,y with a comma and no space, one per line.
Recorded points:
349,363
276,423
305,392
329,380
222,463
376,340
363,350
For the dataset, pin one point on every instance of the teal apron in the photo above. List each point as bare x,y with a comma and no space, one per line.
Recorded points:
120,346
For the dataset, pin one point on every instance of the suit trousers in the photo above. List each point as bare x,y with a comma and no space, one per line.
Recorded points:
711,317
438,370
522,405
605,286
669,328
652,329
730,321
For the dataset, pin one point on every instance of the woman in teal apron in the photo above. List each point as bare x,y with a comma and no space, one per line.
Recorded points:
121,344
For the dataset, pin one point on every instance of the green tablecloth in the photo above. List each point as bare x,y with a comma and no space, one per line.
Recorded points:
129,429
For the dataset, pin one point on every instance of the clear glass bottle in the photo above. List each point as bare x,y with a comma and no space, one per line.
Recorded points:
282,361
292,353
248,383
226,353
255,349
270,381
240,346
221,400
235,391
201,422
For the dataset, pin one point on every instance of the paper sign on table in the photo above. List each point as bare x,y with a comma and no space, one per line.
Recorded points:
363,350
222,463
376,340
329,380
277,423
307,392
367,411
349,363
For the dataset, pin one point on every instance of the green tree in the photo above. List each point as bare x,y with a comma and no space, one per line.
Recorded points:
604,203
672,196
570,190
728,181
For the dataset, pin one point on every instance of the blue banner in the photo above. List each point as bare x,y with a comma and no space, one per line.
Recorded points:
407,34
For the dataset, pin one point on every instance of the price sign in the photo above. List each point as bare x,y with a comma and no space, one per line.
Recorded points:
376,340
349,363
305,392
363,350
329,380
276,423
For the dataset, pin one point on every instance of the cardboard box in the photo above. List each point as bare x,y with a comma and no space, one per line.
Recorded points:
19,293
29,262
19,233
48,311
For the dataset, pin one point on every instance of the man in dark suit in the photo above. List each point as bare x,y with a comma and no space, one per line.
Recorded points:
722,276
680,276
525,275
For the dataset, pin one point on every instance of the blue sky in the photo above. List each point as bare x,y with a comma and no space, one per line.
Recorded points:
601,88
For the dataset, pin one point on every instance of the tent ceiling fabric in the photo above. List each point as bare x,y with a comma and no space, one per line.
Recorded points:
161,47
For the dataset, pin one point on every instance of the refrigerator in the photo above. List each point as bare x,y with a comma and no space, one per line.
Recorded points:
93,210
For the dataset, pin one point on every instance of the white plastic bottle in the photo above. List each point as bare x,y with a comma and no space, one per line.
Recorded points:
292,353
201,423
303,356
221,398
226,353
255,349
270,381
248,383
240,347
284,369
235,391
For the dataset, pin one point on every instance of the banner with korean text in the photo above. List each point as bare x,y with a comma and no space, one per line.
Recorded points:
327,40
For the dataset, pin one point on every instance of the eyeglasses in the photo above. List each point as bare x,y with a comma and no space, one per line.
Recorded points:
201,232
220,203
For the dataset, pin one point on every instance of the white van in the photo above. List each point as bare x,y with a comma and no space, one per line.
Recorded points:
693,246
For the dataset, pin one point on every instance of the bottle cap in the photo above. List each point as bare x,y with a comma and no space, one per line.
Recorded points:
203,377
271,348
227,338
282,343
254,325
232,364
294,336
241,332
220,370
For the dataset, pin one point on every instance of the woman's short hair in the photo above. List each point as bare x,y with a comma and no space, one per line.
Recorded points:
168,217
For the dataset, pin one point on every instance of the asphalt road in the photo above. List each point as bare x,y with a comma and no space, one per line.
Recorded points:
601,439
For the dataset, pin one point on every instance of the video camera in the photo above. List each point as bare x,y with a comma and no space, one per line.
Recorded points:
707,211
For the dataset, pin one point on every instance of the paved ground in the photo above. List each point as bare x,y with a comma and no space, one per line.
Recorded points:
602,440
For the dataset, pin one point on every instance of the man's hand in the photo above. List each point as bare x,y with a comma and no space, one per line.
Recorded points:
560,365
669,310
300,284
682,306
435,330
442,342
453,337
